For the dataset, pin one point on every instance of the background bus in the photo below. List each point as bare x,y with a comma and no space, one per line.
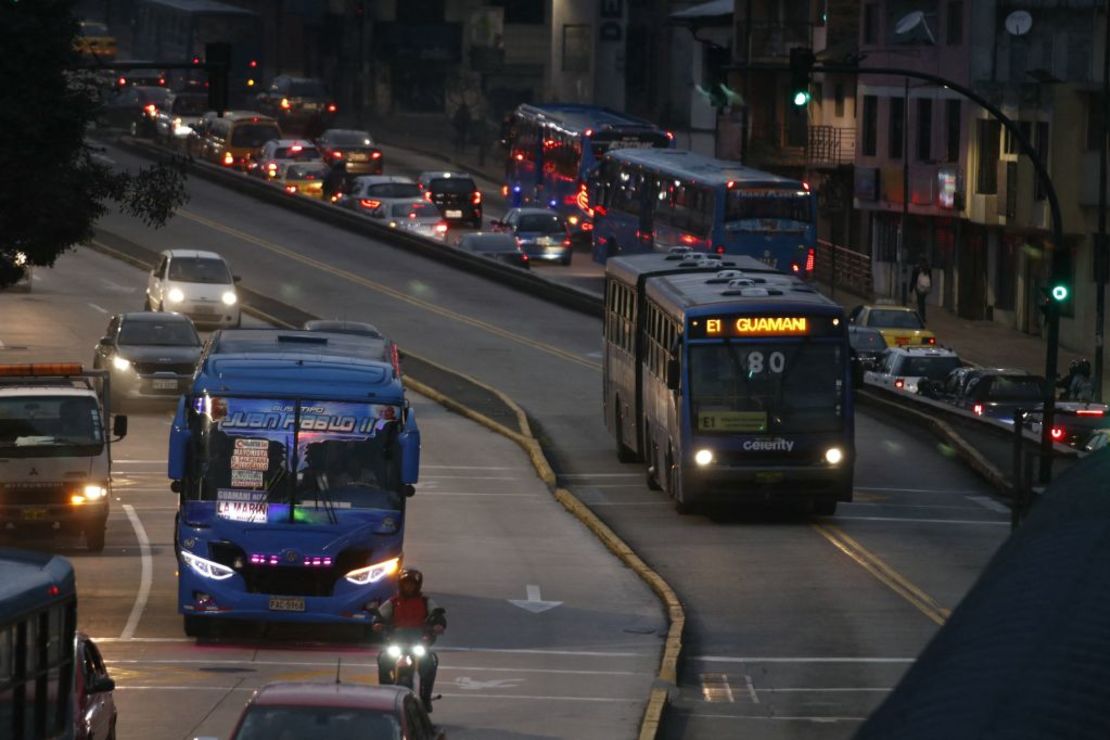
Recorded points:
179,30
38,623
730,380
552,149
651,200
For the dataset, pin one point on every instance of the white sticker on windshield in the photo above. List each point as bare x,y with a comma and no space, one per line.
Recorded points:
251,454
247,479
241,506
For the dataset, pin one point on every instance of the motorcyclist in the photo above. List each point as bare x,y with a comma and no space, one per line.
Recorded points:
416,617
338,181
1077,384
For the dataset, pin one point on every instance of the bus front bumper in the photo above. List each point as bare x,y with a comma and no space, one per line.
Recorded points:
785,484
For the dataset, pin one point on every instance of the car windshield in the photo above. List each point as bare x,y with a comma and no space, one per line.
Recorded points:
393,190
159,332
766,388
264,722
933,368
541,222
254,135
416,210
199,270
306,172
190,105
297,153
254,458
452,185
307,89
349,138
1016,388
50,426
492,244
866,341
890,319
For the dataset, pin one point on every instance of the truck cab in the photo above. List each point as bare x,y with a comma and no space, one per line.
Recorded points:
55,450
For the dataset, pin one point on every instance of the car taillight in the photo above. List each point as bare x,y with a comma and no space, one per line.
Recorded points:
929,340
476,197
162,81
337,155
1057,433
290,188
720,249
566,242
428,195
150,109
441,228
371,204
285,105
332,108
795,267
375,155
978,409
1090,412
228,159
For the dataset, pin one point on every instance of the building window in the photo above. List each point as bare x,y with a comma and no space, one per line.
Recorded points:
577,48
871,23
897,128
953,113
954,23
870,125
924,129
986,181
838,92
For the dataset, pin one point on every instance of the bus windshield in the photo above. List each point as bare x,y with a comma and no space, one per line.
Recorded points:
766,388
767,204
50,426
604,141
343,456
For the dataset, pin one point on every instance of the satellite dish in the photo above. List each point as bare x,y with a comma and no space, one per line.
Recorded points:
1019,22
912,21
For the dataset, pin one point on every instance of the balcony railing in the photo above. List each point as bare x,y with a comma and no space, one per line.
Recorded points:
772,39
853,269
831,145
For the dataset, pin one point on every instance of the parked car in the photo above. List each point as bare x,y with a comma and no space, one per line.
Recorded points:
149,355
456,194
867,346
541,233
197,284
903,368
1074,423
499,247
334,710
356,148
299,104
94,715
899,325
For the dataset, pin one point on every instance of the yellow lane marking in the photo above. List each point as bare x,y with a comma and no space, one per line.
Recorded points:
889,577
388,291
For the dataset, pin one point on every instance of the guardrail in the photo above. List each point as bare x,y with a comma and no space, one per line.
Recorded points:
853,269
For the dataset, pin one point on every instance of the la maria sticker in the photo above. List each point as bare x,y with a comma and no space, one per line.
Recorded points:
247,479
241,506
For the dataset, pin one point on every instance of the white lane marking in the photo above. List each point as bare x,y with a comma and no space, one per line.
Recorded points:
913,490
931,507
114,286
463,467
602,475
831,690
350,664
751,689
469,684
98,308
495,495
520,697
715,688
145,579
990,504
729,659
629,503
649,651
912,520
533,603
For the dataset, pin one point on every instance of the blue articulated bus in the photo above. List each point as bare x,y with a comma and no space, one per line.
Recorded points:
292,455
732,381
652,200
38,623
553,149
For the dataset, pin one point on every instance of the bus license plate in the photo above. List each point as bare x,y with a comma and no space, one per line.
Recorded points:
34,513
454,214
286,604
769,477
164,385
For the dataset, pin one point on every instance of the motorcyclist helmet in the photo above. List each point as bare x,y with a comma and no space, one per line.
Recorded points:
413,576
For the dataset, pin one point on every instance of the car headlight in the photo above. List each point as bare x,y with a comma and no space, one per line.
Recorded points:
206,568
20,259
703,457
121,364
419,651
93,492
176,295
393,651
229,298
373,573
833,455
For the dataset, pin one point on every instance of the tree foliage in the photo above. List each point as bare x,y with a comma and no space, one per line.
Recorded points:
53,185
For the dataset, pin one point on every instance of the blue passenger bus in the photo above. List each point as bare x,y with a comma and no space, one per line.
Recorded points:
651,200
552,149
731,380
38,623
292,456
179,30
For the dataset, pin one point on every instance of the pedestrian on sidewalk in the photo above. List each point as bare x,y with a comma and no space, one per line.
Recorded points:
461,122
922,281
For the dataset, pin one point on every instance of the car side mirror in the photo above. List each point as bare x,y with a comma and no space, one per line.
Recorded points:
119,426
102,685
673,373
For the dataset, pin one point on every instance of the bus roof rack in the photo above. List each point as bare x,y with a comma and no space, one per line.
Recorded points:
745,287
677,253
725,276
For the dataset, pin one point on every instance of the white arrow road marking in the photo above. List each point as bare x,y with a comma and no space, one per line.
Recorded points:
534,603
468,683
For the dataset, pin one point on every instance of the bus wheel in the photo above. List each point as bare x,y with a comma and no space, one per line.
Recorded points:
674,474
652,477
625,454
94,538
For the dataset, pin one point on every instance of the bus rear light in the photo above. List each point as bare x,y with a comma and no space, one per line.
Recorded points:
1090,412
811,260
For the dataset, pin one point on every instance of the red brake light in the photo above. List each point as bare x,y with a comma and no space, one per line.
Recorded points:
978,409
476,197
121,81
375,155
794,266
441,228
566,242
196,60
337,155
54,590
290,188
899,383
162,81
670,136
519,156
1090,412
589,132
1057,433
811,257
428,195
371,204
285,105
228,159
253,63
296,148
332,108
805,186
150,108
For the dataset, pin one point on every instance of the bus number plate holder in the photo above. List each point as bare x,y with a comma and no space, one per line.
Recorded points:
286,604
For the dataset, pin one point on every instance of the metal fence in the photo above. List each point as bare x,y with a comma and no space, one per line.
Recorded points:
853,269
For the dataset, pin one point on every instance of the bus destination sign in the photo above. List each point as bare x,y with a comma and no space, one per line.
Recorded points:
744,327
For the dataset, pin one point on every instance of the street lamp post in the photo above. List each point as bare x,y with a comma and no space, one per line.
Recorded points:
1101,256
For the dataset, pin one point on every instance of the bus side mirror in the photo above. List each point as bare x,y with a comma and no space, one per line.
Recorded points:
179,444
409,440
119,426
673,373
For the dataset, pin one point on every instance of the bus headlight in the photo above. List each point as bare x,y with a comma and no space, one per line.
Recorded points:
703,457
373,573
206,568
833,455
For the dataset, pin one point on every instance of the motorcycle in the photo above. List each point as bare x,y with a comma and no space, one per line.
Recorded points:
405,649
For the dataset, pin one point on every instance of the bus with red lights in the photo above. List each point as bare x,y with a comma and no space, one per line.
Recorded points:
553,149
38,625
178,30
652,200
730,380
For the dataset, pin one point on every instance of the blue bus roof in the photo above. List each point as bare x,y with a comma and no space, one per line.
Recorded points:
201,6
579,118
686,165
298,363
26,579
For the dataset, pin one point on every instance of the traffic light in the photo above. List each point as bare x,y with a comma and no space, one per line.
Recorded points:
218,58
1063,275
801,68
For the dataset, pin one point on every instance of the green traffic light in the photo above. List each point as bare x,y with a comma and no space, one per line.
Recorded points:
801,97
1060,292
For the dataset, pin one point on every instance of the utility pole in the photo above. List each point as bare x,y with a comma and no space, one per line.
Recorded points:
1101,257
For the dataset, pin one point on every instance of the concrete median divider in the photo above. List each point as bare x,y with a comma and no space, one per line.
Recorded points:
498,412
